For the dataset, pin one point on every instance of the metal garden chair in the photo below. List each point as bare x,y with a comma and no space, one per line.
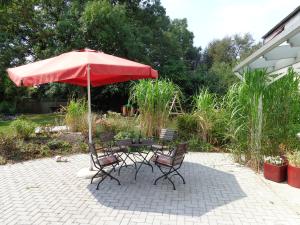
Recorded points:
102,163
170,164
165,138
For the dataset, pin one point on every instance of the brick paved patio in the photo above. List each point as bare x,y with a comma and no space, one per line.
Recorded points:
217,192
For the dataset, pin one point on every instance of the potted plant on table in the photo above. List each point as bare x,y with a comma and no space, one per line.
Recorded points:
275,168
294,169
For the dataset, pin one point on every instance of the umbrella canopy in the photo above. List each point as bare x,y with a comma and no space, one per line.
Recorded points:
72,68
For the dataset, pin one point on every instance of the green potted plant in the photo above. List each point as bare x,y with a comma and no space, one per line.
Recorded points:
294,169
275,168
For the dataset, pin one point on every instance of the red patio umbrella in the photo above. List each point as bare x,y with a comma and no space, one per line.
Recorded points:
84,68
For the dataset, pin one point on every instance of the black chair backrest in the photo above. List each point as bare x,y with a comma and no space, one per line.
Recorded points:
94,155
179,152
167,134
107,139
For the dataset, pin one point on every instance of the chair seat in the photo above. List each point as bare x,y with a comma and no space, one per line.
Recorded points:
162,159
108,160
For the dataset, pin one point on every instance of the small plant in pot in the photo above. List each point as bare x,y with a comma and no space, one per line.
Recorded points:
294,169
275,168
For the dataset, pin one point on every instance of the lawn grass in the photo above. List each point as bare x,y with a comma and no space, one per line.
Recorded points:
39,119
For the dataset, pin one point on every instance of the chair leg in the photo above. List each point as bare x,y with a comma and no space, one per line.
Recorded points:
112,177
178,174
165,175
95,176
103,178
162,176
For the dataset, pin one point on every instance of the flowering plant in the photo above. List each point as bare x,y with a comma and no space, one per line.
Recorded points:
275,160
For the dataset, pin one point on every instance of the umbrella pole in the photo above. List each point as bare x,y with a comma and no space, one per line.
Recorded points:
89,111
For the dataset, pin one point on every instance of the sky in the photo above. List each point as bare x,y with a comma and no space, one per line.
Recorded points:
215,19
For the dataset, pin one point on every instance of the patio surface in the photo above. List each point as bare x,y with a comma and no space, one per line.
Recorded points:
217,192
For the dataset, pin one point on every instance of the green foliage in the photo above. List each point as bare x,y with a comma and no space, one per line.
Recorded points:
116,123
281,113
294,158
254,135
23,128
187,125
58,145
126,135
196,144
137,30
205,111
8,146
7,108
153,99
45,151
76,115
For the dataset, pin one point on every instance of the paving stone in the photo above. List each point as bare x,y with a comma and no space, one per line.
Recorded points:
217,191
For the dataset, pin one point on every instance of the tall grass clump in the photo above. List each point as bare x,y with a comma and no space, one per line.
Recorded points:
282,110
244,117
210,115
205,110
153,98
262,117
76,116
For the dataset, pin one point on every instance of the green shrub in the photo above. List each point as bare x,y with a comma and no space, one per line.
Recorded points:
23,128
45,151
83,147
58,145
7,108
187,125
196,144
126,135
2,160
8,146
116,123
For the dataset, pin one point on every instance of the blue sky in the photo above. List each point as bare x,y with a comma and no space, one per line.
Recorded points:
212,19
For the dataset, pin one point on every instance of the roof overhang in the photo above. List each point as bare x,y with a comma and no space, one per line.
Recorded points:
277,55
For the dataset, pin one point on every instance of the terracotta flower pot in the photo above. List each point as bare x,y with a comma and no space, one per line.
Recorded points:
294,176
274,172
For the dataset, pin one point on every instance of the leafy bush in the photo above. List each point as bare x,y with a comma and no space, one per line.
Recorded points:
126,135
116,123
7,108
58,144
23,128
196,144
45,151
187,125
2,160
294,158
8,146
